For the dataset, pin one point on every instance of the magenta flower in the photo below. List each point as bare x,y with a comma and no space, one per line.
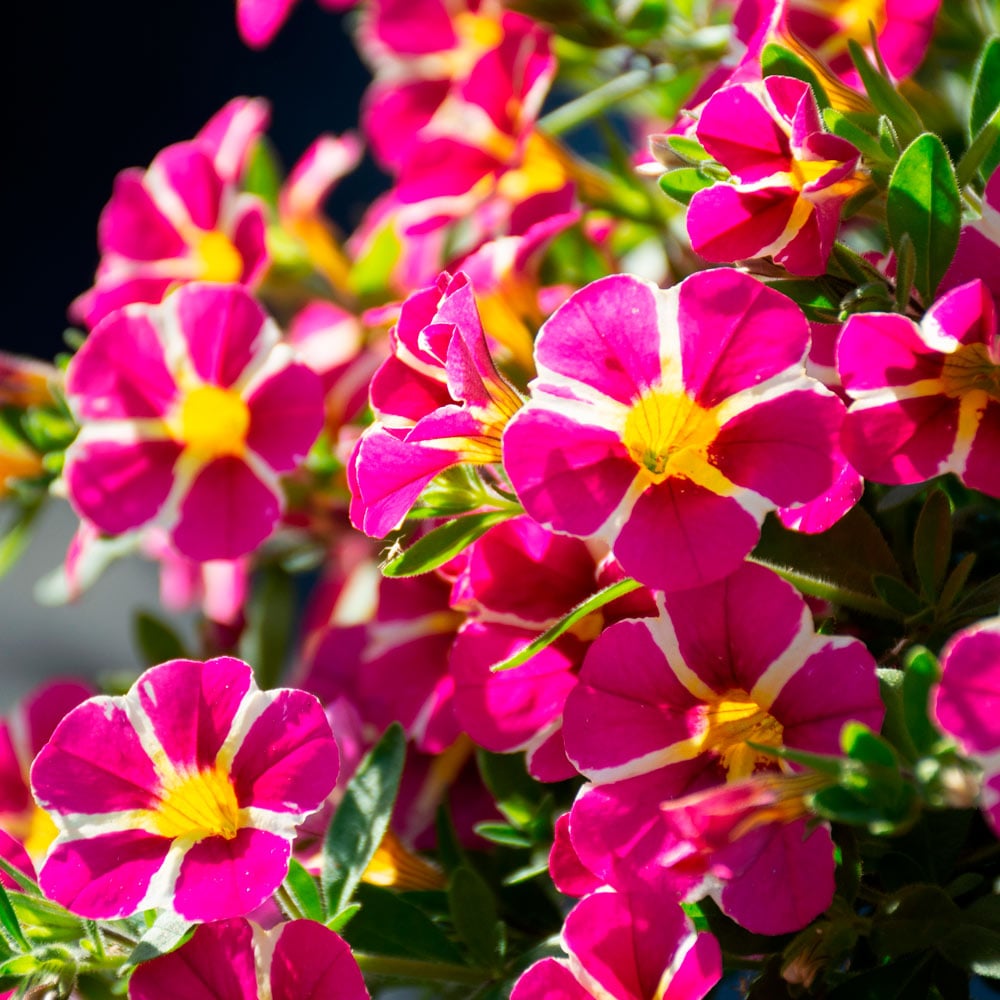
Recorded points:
183,219
236,960
667,423
439,400
966,704
633,946
258,21
189,411
926,397
978,253
791,177
669,706
183,794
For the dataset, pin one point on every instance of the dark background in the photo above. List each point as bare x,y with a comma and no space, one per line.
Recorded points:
103,85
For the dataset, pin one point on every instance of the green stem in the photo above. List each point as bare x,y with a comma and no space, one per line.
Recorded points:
827,591
411,968
288,903
595,102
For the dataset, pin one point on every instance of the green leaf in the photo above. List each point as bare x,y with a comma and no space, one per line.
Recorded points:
342,919
450,853
474,915
371,275
8,920
906,272
604,596
683,184
923,201
48,430
443,543
847,128
920,675
956,581
168,932
156,640
389,925
775,60
983,153
689,150
15,539
302,888
263,174
976,949
517,795
903,979
361,819
894,727
885,97
897,595
985,86
861,744
818,298
268,638
502,833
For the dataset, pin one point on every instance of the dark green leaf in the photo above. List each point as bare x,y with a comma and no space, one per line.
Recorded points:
915,919
861,744
775,60
906,272
268,637
903,979
168,932
897,595
549,636
47,430
923,200
156,640
443,543
302,888
361,819
818,298
449,850
976,949
885,97
684,183
389,925
502,833
9,921
985,87
474,915
956,581
894,727
517,795
983,153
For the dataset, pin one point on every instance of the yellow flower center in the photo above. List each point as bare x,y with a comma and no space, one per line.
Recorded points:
971,368
214,422
477,32
540,170
730,723
218,259
198,805
669,434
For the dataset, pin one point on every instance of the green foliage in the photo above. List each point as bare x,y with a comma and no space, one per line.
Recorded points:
776,60
684,183
267,640
443,543
156,640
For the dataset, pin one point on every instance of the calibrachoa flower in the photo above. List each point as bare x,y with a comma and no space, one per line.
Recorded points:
236,960
669,706
792,177
189,410
183,219
669,422
926,397
978,253
966,704
183,794
439,400
635,946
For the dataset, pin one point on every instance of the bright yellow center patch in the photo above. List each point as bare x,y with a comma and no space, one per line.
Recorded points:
730,723
477,32
214,422
668,434
199,805
970,369
540,170
218,259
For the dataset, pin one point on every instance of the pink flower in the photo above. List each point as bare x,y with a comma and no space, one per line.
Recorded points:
626,947
926,397
791,177
966,704
185,793
439,400
978,253
669,706
183,219
189,411
259,21
236,960
667,423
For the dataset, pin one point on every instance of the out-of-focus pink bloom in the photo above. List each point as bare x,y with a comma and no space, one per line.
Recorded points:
667,423
518,580
665,707
189,411
25,731
978,253
792,178
184,794
258,21
183,219
439,400
237,960
926,397
966,704
633,946
25,382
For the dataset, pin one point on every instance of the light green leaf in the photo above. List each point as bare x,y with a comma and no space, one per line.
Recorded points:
443,543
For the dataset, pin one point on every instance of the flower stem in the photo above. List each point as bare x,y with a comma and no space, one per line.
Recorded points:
595,102
411,968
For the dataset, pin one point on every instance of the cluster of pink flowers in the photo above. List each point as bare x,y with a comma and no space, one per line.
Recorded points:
590,476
